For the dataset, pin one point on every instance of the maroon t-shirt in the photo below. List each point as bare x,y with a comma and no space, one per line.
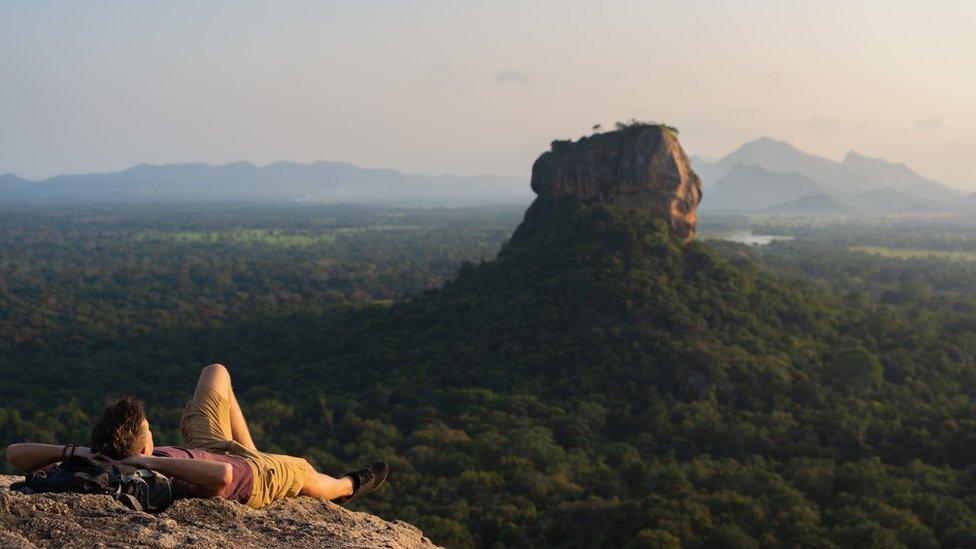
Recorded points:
239,489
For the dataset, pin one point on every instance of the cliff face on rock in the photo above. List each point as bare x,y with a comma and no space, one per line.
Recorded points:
57,520
638,166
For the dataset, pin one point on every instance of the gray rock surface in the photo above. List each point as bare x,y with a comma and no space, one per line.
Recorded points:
59,520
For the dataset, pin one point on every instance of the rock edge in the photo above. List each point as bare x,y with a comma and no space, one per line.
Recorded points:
58,520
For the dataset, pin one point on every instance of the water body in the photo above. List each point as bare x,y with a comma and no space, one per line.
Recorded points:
745,237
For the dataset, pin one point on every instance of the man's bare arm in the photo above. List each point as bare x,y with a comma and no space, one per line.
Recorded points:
212,477
31,456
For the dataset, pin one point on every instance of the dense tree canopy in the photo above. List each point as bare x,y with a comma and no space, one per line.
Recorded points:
597,383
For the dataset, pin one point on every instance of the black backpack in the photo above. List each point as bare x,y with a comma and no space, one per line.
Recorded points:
138,489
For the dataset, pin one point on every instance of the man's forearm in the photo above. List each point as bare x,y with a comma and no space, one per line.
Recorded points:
212,476
31,456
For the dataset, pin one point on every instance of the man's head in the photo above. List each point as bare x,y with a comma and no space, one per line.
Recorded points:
123,430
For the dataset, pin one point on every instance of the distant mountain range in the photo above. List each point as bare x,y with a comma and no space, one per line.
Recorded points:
760,176
279,182
815,204
774,176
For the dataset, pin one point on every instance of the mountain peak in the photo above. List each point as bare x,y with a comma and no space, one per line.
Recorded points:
9,178
751,187
854,156
855,174
240,164
641,166
821,203
766,140
765,147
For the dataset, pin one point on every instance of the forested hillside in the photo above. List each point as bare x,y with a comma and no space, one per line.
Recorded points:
597,383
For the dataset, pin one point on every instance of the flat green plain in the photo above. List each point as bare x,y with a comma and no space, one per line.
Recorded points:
906,253
275,237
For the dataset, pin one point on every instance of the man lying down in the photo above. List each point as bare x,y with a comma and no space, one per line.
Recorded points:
219,459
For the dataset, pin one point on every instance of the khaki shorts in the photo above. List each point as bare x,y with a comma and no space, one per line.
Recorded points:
206,426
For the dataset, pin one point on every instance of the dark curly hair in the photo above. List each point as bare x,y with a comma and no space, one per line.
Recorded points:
118,433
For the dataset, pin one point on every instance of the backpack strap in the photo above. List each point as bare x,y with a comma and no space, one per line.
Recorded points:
129,501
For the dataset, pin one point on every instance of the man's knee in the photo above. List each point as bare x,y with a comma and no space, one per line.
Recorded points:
215,369
216,378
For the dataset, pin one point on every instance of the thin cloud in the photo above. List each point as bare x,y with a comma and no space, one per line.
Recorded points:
442,70
511,75
929,123
775,73
824,124
679,81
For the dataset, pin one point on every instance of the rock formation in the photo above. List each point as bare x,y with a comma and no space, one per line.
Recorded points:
57,520
637,166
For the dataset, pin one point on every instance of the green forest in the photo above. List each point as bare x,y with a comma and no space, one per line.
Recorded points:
587,382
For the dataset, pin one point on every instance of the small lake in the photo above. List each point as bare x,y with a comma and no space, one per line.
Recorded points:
744,237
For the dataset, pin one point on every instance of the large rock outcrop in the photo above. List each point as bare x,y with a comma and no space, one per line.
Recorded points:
58,520
637,166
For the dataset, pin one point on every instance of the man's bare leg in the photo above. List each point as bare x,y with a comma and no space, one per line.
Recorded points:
216,378
319,485
238,427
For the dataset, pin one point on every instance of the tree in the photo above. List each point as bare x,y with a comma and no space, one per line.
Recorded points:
857,369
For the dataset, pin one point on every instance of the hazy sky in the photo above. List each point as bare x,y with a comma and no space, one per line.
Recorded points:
479,87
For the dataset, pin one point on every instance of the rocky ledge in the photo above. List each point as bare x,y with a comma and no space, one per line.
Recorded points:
58,520
637,166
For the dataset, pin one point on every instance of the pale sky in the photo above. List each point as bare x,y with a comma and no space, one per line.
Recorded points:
458,86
